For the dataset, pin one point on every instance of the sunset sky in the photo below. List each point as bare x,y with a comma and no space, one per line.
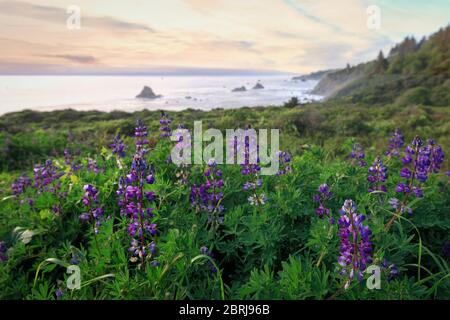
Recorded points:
184,36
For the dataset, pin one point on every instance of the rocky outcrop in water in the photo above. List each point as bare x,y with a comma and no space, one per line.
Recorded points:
147,93
239,89
258,86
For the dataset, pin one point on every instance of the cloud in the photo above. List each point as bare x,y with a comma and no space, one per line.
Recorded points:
288,35
223,44
324,55
302,10
59,15
82,59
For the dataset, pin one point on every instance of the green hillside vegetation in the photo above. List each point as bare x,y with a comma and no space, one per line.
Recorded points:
414,72
29,137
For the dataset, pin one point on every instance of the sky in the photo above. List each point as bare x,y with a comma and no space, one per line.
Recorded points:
205,36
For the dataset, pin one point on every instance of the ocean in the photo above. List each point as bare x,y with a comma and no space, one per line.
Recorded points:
107,93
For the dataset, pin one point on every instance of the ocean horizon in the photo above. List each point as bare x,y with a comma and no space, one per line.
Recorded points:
117,92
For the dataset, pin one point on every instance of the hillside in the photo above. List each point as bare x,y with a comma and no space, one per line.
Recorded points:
29,137
414,71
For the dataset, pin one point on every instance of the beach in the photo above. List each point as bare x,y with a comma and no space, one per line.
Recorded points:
108,93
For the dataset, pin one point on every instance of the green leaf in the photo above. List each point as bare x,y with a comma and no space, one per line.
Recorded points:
74,179
45,214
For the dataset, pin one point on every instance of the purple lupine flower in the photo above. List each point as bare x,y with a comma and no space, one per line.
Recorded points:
59,293
204,250
75,259
92,166
356,248
390,268
285,163
323,195
45,175
436,156
419,161
395,144
182,138
142,251
250,167
377,176
67,157
56,210
140,134
3,250
358,155
19,186
118,147
208,196
94,213
132,199
164,128
399,206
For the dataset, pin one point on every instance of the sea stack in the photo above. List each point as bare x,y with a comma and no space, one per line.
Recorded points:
258,86
147,93
239,89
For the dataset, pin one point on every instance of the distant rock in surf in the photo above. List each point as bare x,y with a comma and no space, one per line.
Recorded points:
147,93
258,86
239,89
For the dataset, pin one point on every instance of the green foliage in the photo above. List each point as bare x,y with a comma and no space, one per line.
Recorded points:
279,251
417,95
413,73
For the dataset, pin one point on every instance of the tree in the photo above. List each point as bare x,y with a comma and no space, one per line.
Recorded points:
381,64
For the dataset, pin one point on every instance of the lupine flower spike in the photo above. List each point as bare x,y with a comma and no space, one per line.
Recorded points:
390,268
20,185
377,176
323,195
251,169
208,196
45,175
285,163
419,162
356,248
164,125
118,147
132,201
395,144
94,213
358,155
182,173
